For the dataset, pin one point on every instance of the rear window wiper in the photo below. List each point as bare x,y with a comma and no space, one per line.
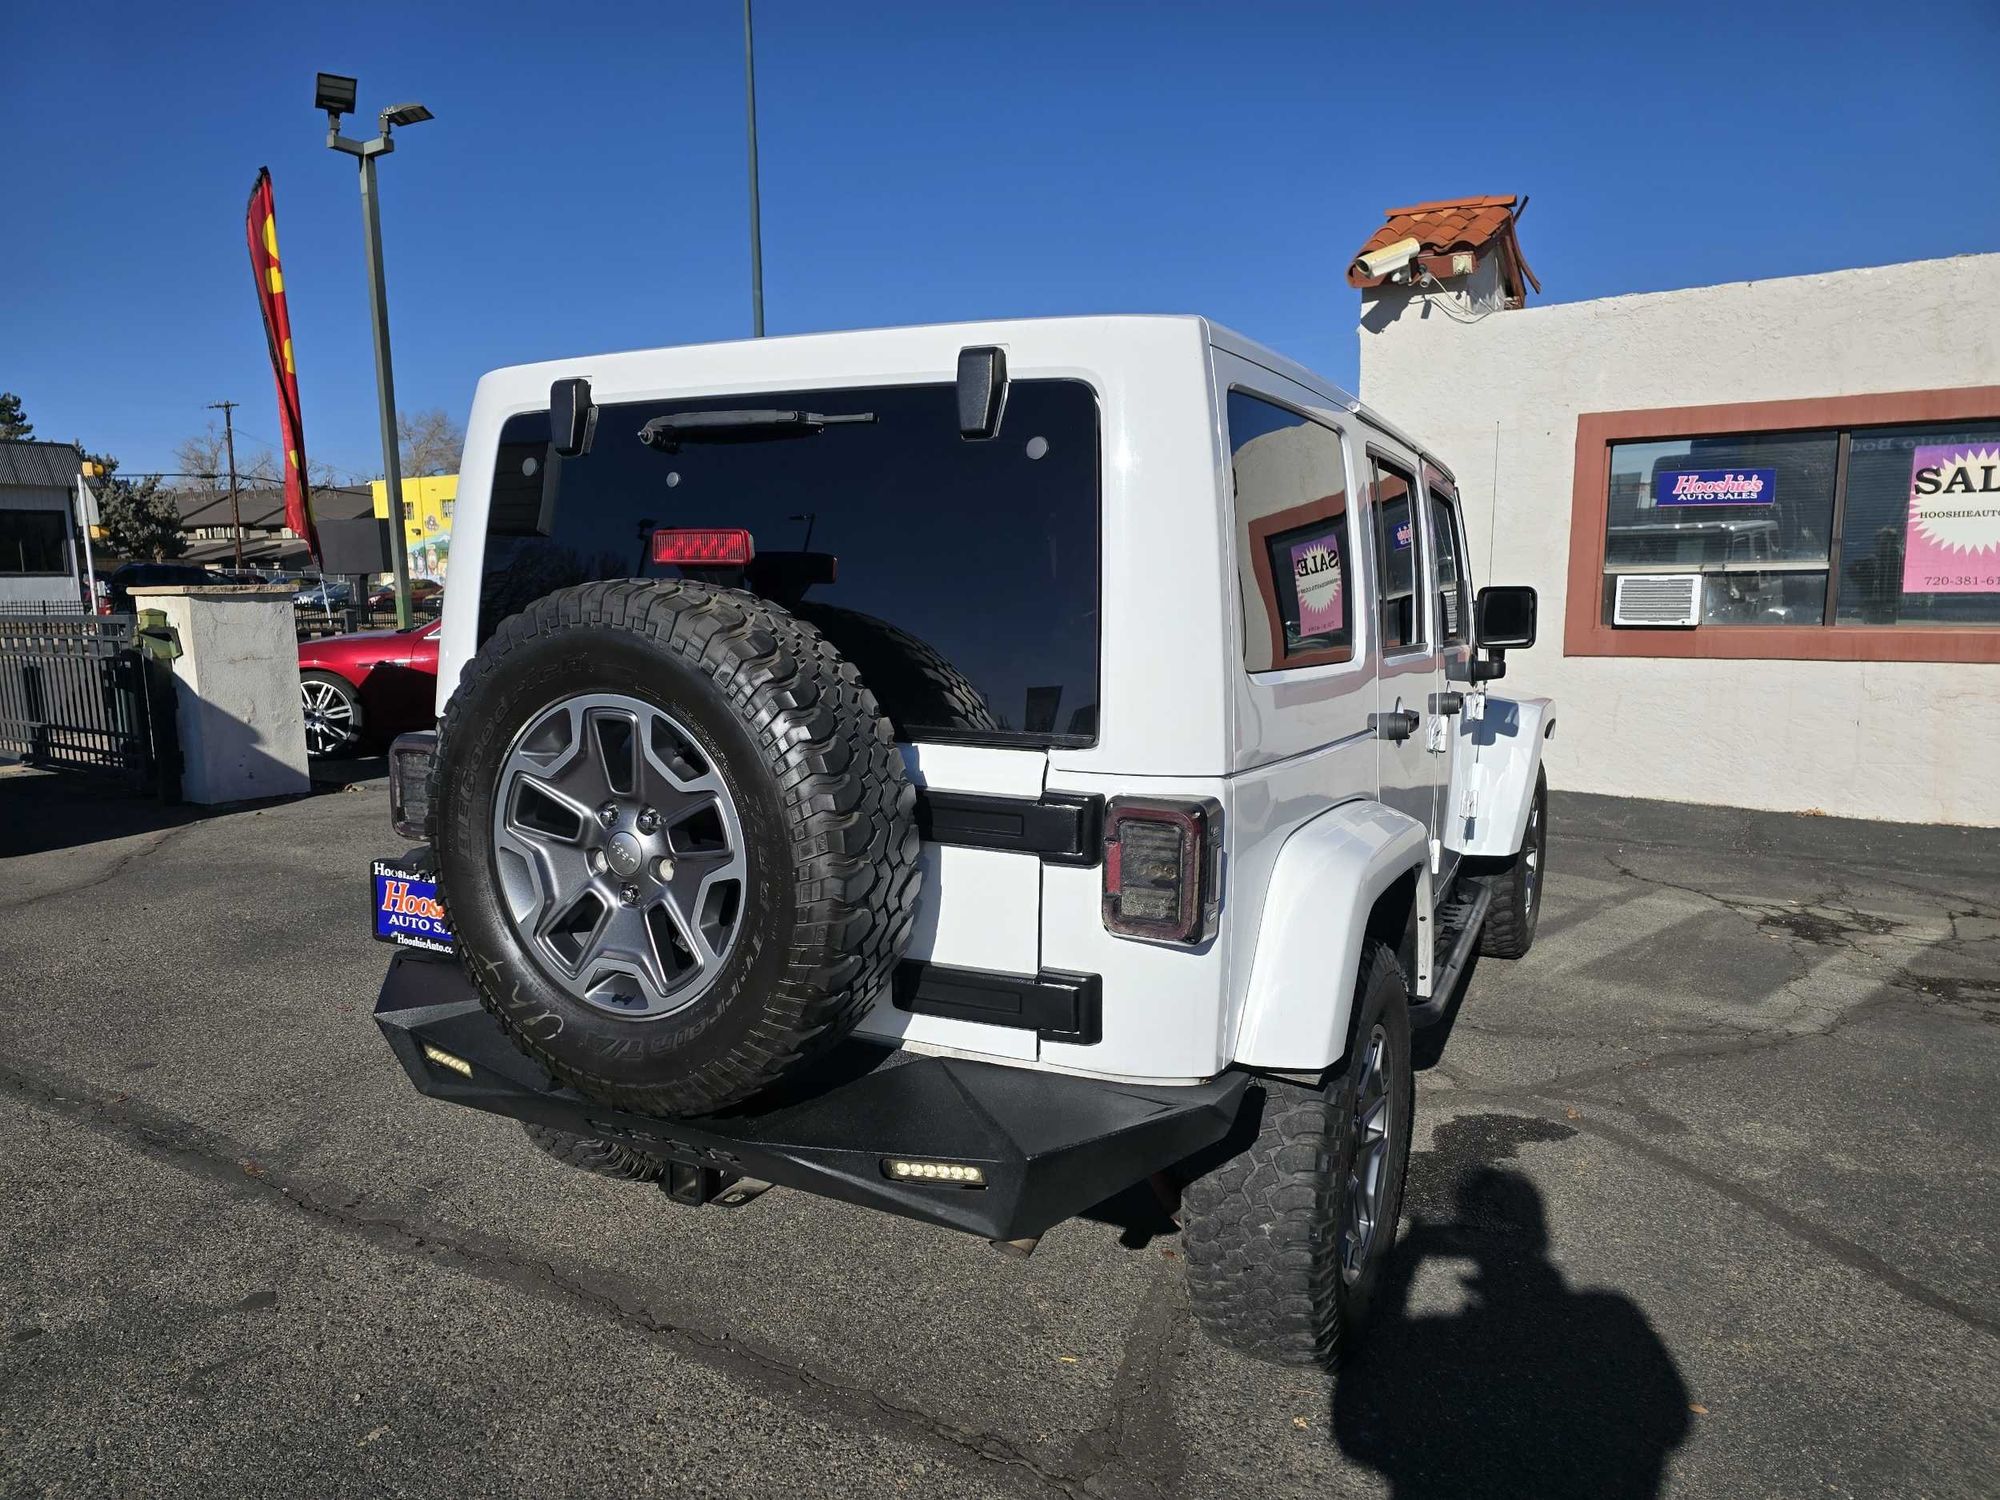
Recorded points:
669,432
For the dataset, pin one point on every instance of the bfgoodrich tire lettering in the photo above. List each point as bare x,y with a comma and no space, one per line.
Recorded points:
813,775
1273,1268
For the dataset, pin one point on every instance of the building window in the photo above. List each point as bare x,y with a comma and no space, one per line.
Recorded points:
1850,528
31,541
409,510
1921,539
1752,515
1293,539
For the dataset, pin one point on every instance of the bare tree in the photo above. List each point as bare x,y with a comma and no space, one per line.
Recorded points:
431,443
205,455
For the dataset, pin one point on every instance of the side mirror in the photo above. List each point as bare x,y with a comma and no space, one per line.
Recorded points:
1504,617
572,417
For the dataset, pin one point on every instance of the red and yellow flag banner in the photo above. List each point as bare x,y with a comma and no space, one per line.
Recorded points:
263,231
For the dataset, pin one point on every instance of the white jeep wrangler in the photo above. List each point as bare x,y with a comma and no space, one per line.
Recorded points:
967,771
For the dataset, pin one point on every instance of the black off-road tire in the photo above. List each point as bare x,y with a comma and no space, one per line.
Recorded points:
1263,1228
828,818
917,687
1516,883
588,1154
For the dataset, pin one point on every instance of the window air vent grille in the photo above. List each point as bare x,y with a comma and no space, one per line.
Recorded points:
1657,599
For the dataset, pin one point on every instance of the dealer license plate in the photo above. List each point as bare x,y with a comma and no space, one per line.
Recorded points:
407,910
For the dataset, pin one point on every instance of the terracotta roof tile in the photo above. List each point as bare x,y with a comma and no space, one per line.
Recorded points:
1456,224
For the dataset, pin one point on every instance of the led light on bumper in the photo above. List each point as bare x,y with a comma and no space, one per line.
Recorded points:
933,1173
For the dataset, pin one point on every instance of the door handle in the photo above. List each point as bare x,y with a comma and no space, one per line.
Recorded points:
1399,724
1447,703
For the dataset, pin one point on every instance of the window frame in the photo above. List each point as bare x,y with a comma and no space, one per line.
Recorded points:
1420,579
1258,534
1585,631
1438,496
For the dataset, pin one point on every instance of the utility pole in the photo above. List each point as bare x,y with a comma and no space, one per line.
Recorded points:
756,229
228,410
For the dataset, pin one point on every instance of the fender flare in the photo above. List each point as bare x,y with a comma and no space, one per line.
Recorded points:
1506,747
1328,877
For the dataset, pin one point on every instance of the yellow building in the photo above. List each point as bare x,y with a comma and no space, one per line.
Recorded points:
427,506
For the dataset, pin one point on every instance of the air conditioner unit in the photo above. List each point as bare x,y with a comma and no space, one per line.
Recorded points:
1657,599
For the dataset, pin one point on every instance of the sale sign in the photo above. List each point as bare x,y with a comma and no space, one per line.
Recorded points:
1953,542
1316,572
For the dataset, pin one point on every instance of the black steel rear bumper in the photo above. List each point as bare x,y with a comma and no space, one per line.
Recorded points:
1049,1146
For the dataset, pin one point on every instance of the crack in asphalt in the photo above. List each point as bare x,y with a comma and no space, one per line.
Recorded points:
1139,1397
154,843
1137,1451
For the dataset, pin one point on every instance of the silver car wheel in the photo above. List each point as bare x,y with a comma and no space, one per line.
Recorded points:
329,712
1367,1186
620,854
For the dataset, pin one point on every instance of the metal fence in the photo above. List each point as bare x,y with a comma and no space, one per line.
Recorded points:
77,692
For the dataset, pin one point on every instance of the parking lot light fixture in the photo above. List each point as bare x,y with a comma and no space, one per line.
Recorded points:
336,94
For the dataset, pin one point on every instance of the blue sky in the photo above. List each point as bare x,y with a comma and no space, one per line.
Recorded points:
582,187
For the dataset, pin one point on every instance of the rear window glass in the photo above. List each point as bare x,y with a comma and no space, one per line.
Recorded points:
960,577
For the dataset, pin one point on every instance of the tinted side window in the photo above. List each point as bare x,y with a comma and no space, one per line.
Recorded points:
1454,602
1398,559
1292,538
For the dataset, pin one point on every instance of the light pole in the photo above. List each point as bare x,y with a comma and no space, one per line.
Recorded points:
335,95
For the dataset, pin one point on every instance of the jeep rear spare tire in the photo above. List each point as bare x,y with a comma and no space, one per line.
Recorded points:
675,839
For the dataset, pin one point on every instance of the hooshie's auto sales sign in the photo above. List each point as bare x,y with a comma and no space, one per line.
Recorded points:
1953,544
1715,486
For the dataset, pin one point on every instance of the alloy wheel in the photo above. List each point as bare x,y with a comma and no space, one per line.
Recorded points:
1366,1191
620,854
329,718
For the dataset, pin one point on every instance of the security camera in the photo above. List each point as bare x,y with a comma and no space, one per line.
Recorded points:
1389,260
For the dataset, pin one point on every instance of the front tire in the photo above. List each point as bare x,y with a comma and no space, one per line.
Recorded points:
1517,886
1285,1241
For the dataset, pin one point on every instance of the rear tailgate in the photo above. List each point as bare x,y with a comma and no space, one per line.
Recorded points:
981,909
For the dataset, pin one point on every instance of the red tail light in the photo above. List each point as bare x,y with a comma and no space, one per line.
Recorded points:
698,547
1160,867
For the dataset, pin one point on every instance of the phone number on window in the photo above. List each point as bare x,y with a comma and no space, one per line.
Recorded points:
1962,580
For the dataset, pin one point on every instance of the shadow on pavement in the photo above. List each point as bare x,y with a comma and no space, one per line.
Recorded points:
42,811
1532,1388
341,772
45,811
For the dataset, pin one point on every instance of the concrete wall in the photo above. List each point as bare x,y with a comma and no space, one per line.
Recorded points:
242,731
1498,400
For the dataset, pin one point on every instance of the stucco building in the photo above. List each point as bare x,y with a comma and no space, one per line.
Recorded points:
1763,518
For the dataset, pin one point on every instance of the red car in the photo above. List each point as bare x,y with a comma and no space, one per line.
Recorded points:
370,686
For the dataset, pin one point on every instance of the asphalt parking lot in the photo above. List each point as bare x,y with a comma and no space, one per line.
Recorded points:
1703,1203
